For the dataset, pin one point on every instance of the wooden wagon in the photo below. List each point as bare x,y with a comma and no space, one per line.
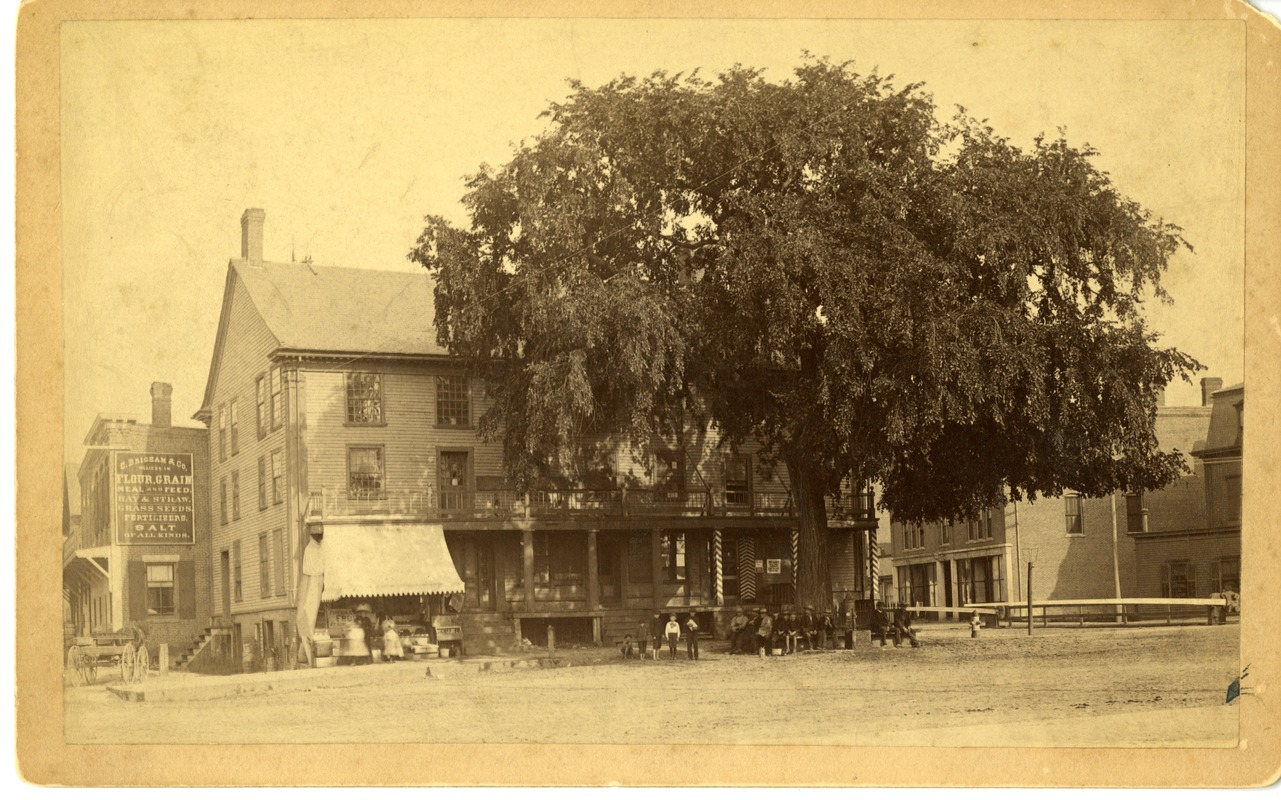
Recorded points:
113,654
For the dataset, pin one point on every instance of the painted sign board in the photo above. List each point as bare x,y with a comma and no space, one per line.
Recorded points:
155,498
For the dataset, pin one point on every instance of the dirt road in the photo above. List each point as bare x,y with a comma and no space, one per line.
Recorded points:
1065,687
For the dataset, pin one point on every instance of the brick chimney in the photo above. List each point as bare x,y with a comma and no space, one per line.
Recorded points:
251,234
161,405
1208,387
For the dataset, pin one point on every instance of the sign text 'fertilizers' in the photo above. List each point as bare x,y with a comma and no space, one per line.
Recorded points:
155,503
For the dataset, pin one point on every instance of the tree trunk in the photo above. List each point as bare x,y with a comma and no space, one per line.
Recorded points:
813,582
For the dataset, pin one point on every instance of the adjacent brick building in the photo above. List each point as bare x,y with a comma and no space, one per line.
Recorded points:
140,552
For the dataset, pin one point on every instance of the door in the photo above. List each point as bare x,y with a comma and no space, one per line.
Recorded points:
479,574
609,559
226,586
454,489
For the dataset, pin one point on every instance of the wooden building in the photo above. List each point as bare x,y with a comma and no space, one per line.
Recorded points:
332,409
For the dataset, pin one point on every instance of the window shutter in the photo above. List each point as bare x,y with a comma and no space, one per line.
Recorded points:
137,591
186,589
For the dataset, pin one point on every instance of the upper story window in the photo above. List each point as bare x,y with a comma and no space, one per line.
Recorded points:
986,523
948,526
222,432
263,416
364,398
738,485
1232,498
365,472
277,478
913,536
453,401
235,426
277,399
1134,512
1073,514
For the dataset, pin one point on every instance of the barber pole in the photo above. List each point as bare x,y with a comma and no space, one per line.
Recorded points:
874,565
747,568
796,561
718,574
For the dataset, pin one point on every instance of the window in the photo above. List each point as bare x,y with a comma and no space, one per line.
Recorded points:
1229,574
947,531
236,591
453,401
222,499
235,494
672,547
159,589
365,473
1134,513
235,427
262,406
364,398
222,433
277,478
986,523
913,536
282,560
1072,514
262,482
738,485
542,559
1178,579
277,399
1232,497
971,529
264,566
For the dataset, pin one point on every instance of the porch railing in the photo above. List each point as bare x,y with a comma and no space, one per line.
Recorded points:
559,504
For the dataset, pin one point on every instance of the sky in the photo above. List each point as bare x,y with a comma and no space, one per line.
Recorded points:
349,132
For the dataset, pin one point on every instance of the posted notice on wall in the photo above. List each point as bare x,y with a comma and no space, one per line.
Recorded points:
155,501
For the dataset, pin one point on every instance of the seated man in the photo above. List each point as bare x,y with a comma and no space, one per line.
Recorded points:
628,648
809,627
880,622
903,627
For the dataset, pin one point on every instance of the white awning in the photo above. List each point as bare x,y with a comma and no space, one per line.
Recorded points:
387,559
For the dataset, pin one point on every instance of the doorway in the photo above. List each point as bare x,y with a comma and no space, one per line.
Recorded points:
225,563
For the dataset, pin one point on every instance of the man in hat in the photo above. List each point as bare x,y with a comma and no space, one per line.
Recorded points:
738,642
764,632
657,628
809,627
880,622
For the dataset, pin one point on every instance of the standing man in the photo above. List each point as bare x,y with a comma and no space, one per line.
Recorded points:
691,641
656,630
737,625
764,632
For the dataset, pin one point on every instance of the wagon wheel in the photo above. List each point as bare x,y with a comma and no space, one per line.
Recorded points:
88,668
126,663
141,663
73,675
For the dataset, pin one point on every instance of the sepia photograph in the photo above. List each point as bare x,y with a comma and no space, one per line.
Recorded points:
591,384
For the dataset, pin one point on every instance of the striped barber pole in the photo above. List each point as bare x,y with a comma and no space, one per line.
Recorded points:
747,568
718,569
874,564
796,564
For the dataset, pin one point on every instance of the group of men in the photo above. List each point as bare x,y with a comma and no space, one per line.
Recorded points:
762,633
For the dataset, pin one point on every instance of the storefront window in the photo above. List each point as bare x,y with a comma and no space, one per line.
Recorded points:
160,589
673,551
1178,579
1229,574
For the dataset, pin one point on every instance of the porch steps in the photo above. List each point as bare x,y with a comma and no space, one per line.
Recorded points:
487,633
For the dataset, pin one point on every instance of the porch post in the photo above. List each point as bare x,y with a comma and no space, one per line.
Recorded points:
956,587
527,542
656,555
593,573
718,571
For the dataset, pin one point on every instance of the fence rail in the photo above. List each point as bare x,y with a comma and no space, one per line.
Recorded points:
560,504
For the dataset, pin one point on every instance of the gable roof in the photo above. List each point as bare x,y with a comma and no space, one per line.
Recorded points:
344,310
328,310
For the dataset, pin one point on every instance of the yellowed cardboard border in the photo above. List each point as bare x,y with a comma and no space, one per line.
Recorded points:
43,756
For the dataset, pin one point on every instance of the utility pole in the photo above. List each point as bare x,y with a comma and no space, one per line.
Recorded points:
1029,598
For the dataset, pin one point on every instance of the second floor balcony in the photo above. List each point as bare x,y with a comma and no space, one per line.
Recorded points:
513,506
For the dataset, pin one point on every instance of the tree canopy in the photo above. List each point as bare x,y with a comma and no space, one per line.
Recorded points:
823,265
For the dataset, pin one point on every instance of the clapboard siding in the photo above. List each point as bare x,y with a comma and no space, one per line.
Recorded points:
409,436
246,348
